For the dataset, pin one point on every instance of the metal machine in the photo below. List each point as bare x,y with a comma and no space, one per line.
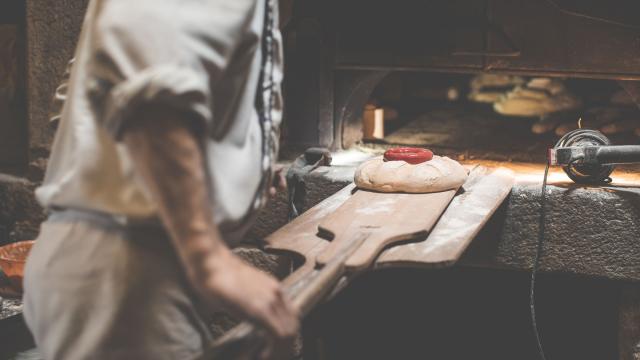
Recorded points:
588,157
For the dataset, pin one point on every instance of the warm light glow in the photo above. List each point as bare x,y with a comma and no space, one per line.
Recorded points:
349,158
526,173
530,173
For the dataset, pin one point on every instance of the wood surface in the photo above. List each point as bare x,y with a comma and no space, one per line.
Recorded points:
299,237
483,192
386,218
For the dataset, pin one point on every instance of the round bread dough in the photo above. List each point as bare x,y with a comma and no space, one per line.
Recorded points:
438,174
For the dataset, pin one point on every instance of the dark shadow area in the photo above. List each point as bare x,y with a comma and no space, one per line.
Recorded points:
466,314
16,339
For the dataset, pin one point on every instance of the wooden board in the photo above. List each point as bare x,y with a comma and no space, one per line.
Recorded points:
299,237
484,191
385,219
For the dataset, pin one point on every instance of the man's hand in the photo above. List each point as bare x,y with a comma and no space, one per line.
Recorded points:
168,157
260,299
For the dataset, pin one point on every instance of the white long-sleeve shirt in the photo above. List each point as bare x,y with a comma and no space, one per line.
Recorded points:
201,57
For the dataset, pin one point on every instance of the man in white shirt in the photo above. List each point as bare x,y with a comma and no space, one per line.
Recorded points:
162,156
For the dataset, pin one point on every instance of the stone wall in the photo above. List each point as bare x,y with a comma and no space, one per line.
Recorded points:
20,214
53,27
50,31
13,127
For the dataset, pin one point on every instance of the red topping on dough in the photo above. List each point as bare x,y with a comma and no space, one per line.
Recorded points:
409,155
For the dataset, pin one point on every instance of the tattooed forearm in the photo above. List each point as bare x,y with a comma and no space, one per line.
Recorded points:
169,158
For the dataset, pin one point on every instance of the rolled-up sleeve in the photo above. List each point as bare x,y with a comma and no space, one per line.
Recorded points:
178,88
168,54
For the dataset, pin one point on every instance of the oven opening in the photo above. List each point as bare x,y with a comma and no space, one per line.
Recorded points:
497,117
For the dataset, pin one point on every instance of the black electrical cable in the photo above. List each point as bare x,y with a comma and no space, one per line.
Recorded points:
536,261
580,173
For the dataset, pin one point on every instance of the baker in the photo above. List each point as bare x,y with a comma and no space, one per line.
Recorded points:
162,156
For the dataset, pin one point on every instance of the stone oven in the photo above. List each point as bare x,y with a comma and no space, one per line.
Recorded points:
416,62
338,52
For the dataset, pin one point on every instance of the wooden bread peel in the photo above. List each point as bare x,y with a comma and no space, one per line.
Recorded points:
384,218
363,224
484,191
